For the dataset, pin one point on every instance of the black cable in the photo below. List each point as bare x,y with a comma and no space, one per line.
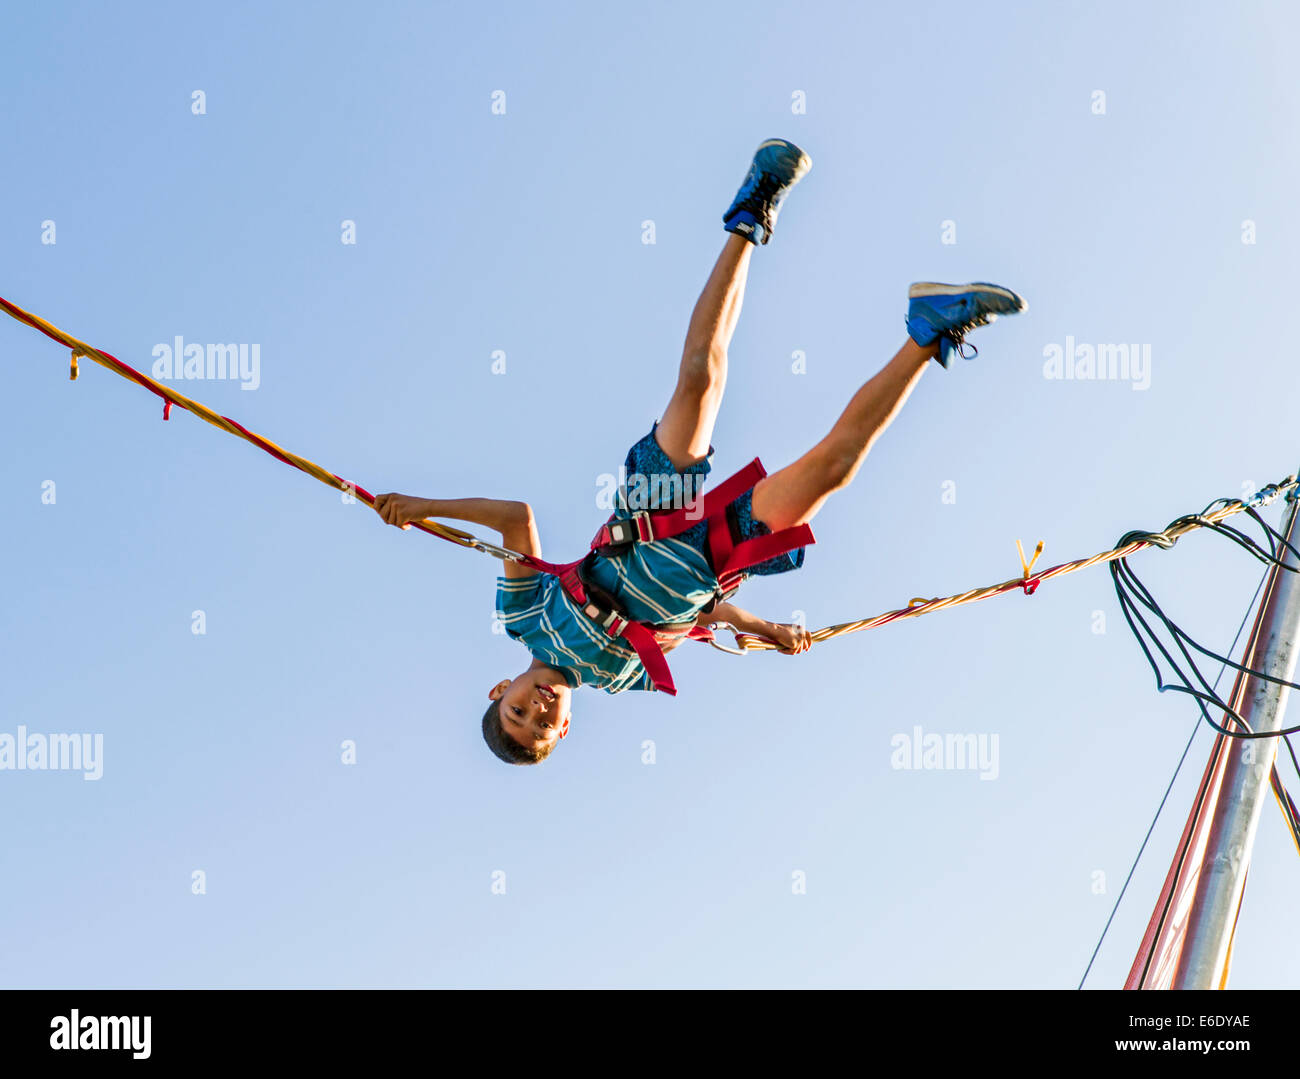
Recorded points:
1128,607
1125,578
1132,592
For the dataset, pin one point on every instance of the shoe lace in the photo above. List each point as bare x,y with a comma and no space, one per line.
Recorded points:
957,335
767,190
768,184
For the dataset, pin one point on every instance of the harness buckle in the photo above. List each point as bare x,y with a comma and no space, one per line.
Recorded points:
721,593
622,534
610,621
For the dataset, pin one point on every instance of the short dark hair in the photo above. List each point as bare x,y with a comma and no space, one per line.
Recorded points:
505,747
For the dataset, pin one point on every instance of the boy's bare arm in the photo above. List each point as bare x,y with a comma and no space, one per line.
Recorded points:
790,638
513,520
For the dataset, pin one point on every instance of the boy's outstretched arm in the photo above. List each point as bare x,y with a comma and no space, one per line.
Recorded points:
791,639
513,520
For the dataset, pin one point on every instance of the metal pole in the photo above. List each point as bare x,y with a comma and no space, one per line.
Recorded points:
1245,782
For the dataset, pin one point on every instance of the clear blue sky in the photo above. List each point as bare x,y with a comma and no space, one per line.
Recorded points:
523,233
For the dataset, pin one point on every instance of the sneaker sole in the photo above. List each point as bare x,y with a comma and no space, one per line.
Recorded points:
935,288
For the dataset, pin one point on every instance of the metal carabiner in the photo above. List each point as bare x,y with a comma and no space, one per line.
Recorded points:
503,553
738,651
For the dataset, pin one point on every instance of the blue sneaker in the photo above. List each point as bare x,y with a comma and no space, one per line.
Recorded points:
778,166
945,313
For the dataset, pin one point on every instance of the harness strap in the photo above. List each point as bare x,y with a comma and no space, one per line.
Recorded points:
728,559
731,559
640,637
651,656
751,552
553,569
645,527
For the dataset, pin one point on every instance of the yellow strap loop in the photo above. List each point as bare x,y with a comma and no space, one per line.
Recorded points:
1027,566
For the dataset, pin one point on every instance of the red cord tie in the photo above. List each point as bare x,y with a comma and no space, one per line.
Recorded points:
1029,585
167,409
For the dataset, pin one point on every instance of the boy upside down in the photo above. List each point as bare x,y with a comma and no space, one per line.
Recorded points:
665,565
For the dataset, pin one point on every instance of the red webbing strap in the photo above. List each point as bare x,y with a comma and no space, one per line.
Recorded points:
730,559
555,569
720,546
670,523
641,639
572,584
751,552
651,656
674,522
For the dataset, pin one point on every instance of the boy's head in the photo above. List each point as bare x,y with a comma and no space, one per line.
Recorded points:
528,715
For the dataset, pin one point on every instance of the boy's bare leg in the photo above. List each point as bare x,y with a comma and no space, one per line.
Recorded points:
793,495
686,430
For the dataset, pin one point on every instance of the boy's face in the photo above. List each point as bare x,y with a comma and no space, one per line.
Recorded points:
534,707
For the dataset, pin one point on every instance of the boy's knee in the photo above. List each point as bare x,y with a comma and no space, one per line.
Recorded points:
838,466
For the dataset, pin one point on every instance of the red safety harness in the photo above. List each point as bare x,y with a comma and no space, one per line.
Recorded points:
728,560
